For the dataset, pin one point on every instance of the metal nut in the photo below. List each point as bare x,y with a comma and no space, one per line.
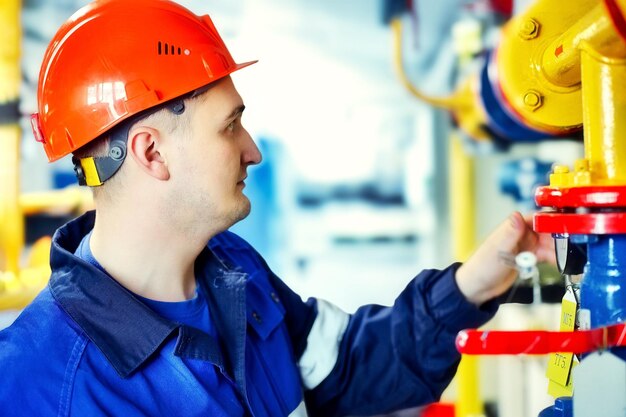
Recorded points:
529,29
533,100
560,169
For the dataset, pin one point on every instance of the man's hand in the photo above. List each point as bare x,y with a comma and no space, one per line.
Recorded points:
485,276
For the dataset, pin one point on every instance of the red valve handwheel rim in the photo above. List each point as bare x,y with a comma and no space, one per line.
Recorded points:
477,342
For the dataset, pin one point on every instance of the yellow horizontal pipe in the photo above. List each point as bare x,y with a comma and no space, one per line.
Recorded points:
64,201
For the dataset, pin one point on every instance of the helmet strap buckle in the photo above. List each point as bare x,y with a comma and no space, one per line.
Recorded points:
95,171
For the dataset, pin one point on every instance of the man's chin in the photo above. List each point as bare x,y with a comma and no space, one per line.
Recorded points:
243,210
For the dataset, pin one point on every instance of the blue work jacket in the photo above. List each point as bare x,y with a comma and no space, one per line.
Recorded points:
88,347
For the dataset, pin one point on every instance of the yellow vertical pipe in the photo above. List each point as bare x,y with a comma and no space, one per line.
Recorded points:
604,115
462,202
463,223
11,220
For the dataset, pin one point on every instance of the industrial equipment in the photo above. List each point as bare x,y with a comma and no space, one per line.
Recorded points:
560,68
21,277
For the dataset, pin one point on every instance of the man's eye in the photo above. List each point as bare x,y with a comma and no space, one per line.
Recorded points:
231,126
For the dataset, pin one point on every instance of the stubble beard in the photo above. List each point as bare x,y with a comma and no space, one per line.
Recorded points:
197,216
243,210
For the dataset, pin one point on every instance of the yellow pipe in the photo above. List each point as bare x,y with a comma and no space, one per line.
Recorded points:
463,221
462,202
10,34
519,63
469,403
538,60
11,221
68,200
604,115
446,102
18,286
561,58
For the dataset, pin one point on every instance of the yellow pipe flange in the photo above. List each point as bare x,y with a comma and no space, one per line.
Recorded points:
520,57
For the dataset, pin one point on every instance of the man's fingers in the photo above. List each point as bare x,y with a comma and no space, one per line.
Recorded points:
545,250
524,236
540,243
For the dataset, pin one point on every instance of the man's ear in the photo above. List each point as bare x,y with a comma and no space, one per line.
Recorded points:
144,144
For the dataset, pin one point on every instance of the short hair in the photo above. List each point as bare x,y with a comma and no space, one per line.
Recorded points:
162,118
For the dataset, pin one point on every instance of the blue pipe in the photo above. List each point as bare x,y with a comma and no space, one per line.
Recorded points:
504,124
603,290
563,407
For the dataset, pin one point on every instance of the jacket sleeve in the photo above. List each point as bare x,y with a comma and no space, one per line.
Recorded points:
379,359
392,358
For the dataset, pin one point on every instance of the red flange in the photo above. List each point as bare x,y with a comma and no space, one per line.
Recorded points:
593,198
596,196
580,224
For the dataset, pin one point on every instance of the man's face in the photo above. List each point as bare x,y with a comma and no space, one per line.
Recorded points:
209,166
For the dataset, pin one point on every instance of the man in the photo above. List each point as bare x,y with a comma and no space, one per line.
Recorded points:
143,317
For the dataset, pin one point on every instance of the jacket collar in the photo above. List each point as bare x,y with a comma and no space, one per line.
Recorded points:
125,330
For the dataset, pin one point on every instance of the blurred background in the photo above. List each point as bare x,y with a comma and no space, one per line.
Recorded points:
350,200
363,184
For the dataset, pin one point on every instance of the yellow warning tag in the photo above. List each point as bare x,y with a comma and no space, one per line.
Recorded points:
560,363
557,390
559,366
568,312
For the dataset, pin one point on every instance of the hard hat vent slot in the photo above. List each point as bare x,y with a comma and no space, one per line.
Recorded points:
167,49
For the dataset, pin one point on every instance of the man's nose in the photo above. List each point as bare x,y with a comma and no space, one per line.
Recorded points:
252,154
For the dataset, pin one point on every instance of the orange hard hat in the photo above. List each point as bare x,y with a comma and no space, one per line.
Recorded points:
114,59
